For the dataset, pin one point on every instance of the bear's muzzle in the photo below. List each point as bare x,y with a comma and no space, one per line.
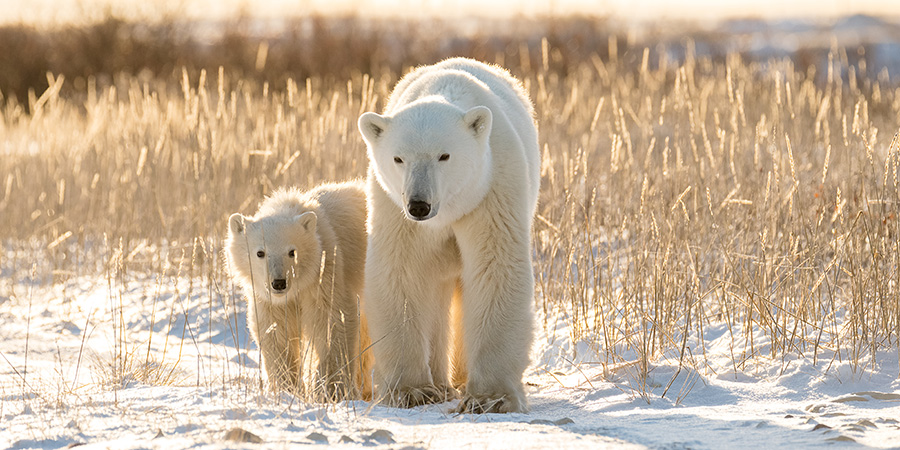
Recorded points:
418,209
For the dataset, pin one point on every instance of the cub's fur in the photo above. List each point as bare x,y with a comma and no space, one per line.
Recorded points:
300,261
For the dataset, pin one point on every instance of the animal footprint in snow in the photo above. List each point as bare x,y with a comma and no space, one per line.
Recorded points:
381,437
850,398
560,422
879,395
815,409
242,435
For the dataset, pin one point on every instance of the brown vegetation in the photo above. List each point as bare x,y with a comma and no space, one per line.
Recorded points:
675,195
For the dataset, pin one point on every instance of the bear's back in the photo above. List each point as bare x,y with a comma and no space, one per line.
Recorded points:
498,80
343,206
508,93
516,106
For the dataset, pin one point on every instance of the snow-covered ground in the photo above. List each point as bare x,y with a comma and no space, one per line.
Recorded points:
59,388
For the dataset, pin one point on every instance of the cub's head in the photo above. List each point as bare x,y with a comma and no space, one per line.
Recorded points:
273,255
432,158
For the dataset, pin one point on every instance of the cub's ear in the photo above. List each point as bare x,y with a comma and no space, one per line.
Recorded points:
306,220
478,121
237,223
372,126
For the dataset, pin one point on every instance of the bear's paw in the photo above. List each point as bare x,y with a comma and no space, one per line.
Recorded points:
410,397
484,404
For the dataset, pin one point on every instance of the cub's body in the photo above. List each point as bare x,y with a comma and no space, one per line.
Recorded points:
300,260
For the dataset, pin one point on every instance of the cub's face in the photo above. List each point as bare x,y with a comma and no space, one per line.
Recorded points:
431,158
274,256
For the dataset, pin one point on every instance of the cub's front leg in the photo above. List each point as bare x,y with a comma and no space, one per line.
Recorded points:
333,334
279,346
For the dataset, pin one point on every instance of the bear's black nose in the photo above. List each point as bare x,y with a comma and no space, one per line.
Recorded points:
418,208
279,284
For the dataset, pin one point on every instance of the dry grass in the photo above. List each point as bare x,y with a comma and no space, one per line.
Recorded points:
737,193
675,196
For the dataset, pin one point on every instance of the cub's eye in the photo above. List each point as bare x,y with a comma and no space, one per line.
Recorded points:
291,254
261,254
398,160
444,157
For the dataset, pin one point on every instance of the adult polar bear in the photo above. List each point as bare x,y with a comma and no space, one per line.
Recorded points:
453,182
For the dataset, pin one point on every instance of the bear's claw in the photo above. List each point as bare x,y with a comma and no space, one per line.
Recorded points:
417,396
484,404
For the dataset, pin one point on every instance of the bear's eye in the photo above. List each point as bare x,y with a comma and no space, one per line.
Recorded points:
444,157
261,254
291,254
398,160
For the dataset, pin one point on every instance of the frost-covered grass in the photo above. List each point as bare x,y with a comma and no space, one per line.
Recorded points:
709,233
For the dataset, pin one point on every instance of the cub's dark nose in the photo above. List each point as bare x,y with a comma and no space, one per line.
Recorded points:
418,208
279,284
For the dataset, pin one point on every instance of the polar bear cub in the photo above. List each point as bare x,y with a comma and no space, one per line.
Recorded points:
300,261
453,185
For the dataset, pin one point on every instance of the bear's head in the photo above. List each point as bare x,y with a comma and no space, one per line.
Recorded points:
273,255
433,159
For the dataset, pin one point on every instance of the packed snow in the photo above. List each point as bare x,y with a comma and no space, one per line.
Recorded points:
187,376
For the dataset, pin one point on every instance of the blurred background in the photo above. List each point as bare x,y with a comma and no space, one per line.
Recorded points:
59,11
272,40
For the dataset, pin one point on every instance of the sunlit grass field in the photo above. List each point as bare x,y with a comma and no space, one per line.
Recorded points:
676,195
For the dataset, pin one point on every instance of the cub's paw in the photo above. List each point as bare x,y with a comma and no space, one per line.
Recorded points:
410,397
287,384
335,391
483,404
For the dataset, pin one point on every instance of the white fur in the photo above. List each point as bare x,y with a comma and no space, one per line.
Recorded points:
465,143
314,243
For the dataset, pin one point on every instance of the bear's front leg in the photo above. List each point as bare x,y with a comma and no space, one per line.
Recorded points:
403,306
497,302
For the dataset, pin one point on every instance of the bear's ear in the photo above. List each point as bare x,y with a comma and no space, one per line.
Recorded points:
478,121
306,220
372,126
237,223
